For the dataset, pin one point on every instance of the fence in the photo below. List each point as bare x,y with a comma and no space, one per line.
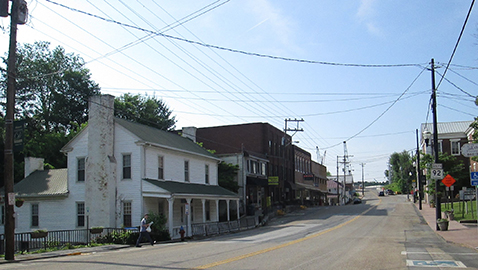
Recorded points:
31,241
215,228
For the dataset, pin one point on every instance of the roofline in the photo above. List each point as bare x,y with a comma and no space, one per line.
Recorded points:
146,143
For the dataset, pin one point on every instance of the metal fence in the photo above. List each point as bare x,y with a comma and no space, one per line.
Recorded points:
31,241
215,228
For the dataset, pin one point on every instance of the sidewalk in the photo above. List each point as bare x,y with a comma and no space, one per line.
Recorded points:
465,235
67,252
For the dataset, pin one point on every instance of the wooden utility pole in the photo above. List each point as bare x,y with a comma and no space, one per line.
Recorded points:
435,142
8,175
363,181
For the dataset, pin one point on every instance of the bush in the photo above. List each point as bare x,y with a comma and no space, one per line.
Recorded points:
116,237
158,228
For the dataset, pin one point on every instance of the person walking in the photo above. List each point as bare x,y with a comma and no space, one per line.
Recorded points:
143,231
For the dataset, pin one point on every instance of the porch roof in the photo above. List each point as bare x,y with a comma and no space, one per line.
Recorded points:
180,188
43,183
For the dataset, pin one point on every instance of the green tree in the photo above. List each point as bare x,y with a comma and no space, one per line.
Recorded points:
144,110
227,174
53,87
52,91
401,170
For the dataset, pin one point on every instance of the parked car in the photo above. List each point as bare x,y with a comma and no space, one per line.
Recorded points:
381,193
390,192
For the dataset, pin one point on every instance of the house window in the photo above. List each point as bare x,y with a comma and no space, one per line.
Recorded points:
192,213
455,148
186,171
35,213
81,170
161,208
160,167
207,173
126,166
80,214
2,208
208,211
127,214
182,214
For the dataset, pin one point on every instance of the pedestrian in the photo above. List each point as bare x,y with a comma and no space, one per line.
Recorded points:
143,231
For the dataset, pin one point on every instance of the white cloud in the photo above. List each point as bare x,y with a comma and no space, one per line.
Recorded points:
270,16
365,14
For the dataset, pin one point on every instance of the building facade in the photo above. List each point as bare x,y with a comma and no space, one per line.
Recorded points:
119,170
266,155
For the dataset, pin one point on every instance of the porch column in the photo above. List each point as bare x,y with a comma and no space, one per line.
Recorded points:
189,232
217,210
203,210
228,211
237,208
170,215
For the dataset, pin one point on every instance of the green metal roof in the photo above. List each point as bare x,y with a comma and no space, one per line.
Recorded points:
43,183
181,188
160,137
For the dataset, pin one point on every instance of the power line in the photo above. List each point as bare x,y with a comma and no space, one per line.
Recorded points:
457,42
235,50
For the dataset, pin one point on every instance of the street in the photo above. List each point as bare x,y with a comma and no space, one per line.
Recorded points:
381,233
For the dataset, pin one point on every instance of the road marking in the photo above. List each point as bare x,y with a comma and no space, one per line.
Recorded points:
263,237
437,263
438,253
237,258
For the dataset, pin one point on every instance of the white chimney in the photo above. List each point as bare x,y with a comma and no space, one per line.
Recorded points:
190,133
100,182
33,164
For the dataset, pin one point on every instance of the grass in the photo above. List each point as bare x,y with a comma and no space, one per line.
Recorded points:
66,247
460,209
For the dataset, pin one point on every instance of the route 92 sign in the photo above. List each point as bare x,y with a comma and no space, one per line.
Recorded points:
437,174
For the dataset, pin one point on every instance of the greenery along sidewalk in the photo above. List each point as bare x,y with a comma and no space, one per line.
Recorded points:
462,210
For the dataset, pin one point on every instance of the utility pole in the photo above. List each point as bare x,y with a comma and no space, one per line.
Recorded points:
419,176
8,150
346,163
435,142
363,181
286,144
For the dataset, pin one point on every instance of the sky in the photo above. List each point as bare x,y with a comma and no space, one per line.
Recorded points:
355,71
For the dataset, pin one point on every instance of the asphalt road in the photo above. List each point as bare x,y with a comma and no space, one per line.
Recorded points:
381,233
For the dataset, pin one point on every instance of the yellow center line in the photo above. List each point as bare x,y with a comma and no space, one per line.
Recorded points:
283,245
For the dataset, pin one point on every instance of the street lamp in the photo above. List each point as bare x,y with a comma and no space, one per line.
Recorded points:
427,135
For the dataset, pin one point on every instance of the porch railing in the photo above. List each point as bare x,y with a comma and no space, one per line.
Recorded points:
214,228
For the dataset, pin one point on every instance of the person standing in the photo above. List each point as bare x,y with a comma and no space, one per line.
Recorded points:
143,231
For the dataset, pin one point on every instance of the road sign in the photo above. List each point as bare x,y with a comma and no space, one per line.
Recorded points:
448,180
437,166
469,150
436,174
474,178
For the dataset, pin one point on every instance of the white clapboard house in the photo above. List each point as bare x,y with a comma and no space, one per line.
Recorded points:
117,171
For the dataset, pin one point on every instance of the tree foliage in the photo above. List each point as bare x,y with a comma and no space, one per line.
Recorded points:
52,88
144,110
52,91
451,165
227,175
401,171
